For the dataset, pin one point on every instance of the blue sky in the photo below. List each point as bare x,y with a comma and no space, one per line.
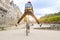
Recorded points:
41,7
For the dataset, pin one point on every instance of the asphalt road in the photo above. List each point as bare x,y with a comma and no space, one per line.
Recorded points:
19,34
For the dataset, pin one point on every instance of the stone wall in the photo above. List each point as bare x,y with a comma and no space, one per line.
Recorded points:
9,17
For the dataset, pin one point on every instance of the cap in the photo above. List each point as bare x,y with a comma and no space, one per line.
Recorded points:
29,2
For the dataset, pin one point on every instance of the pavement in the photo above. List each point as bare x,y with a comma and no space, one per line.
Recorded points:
35,34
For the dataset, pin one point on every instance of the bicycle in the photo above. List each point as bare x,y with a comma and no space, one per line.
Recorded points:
27,29
27,32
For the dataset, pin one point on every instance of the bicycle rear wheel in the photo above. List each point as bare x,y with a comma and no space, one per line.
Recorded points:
27,32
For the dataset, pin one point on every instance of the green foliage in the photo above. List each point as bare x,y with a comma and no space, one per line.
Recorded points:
2,28
51,18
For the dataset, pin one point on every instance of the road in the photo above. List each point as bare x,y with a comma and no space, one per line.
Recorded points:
35,34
